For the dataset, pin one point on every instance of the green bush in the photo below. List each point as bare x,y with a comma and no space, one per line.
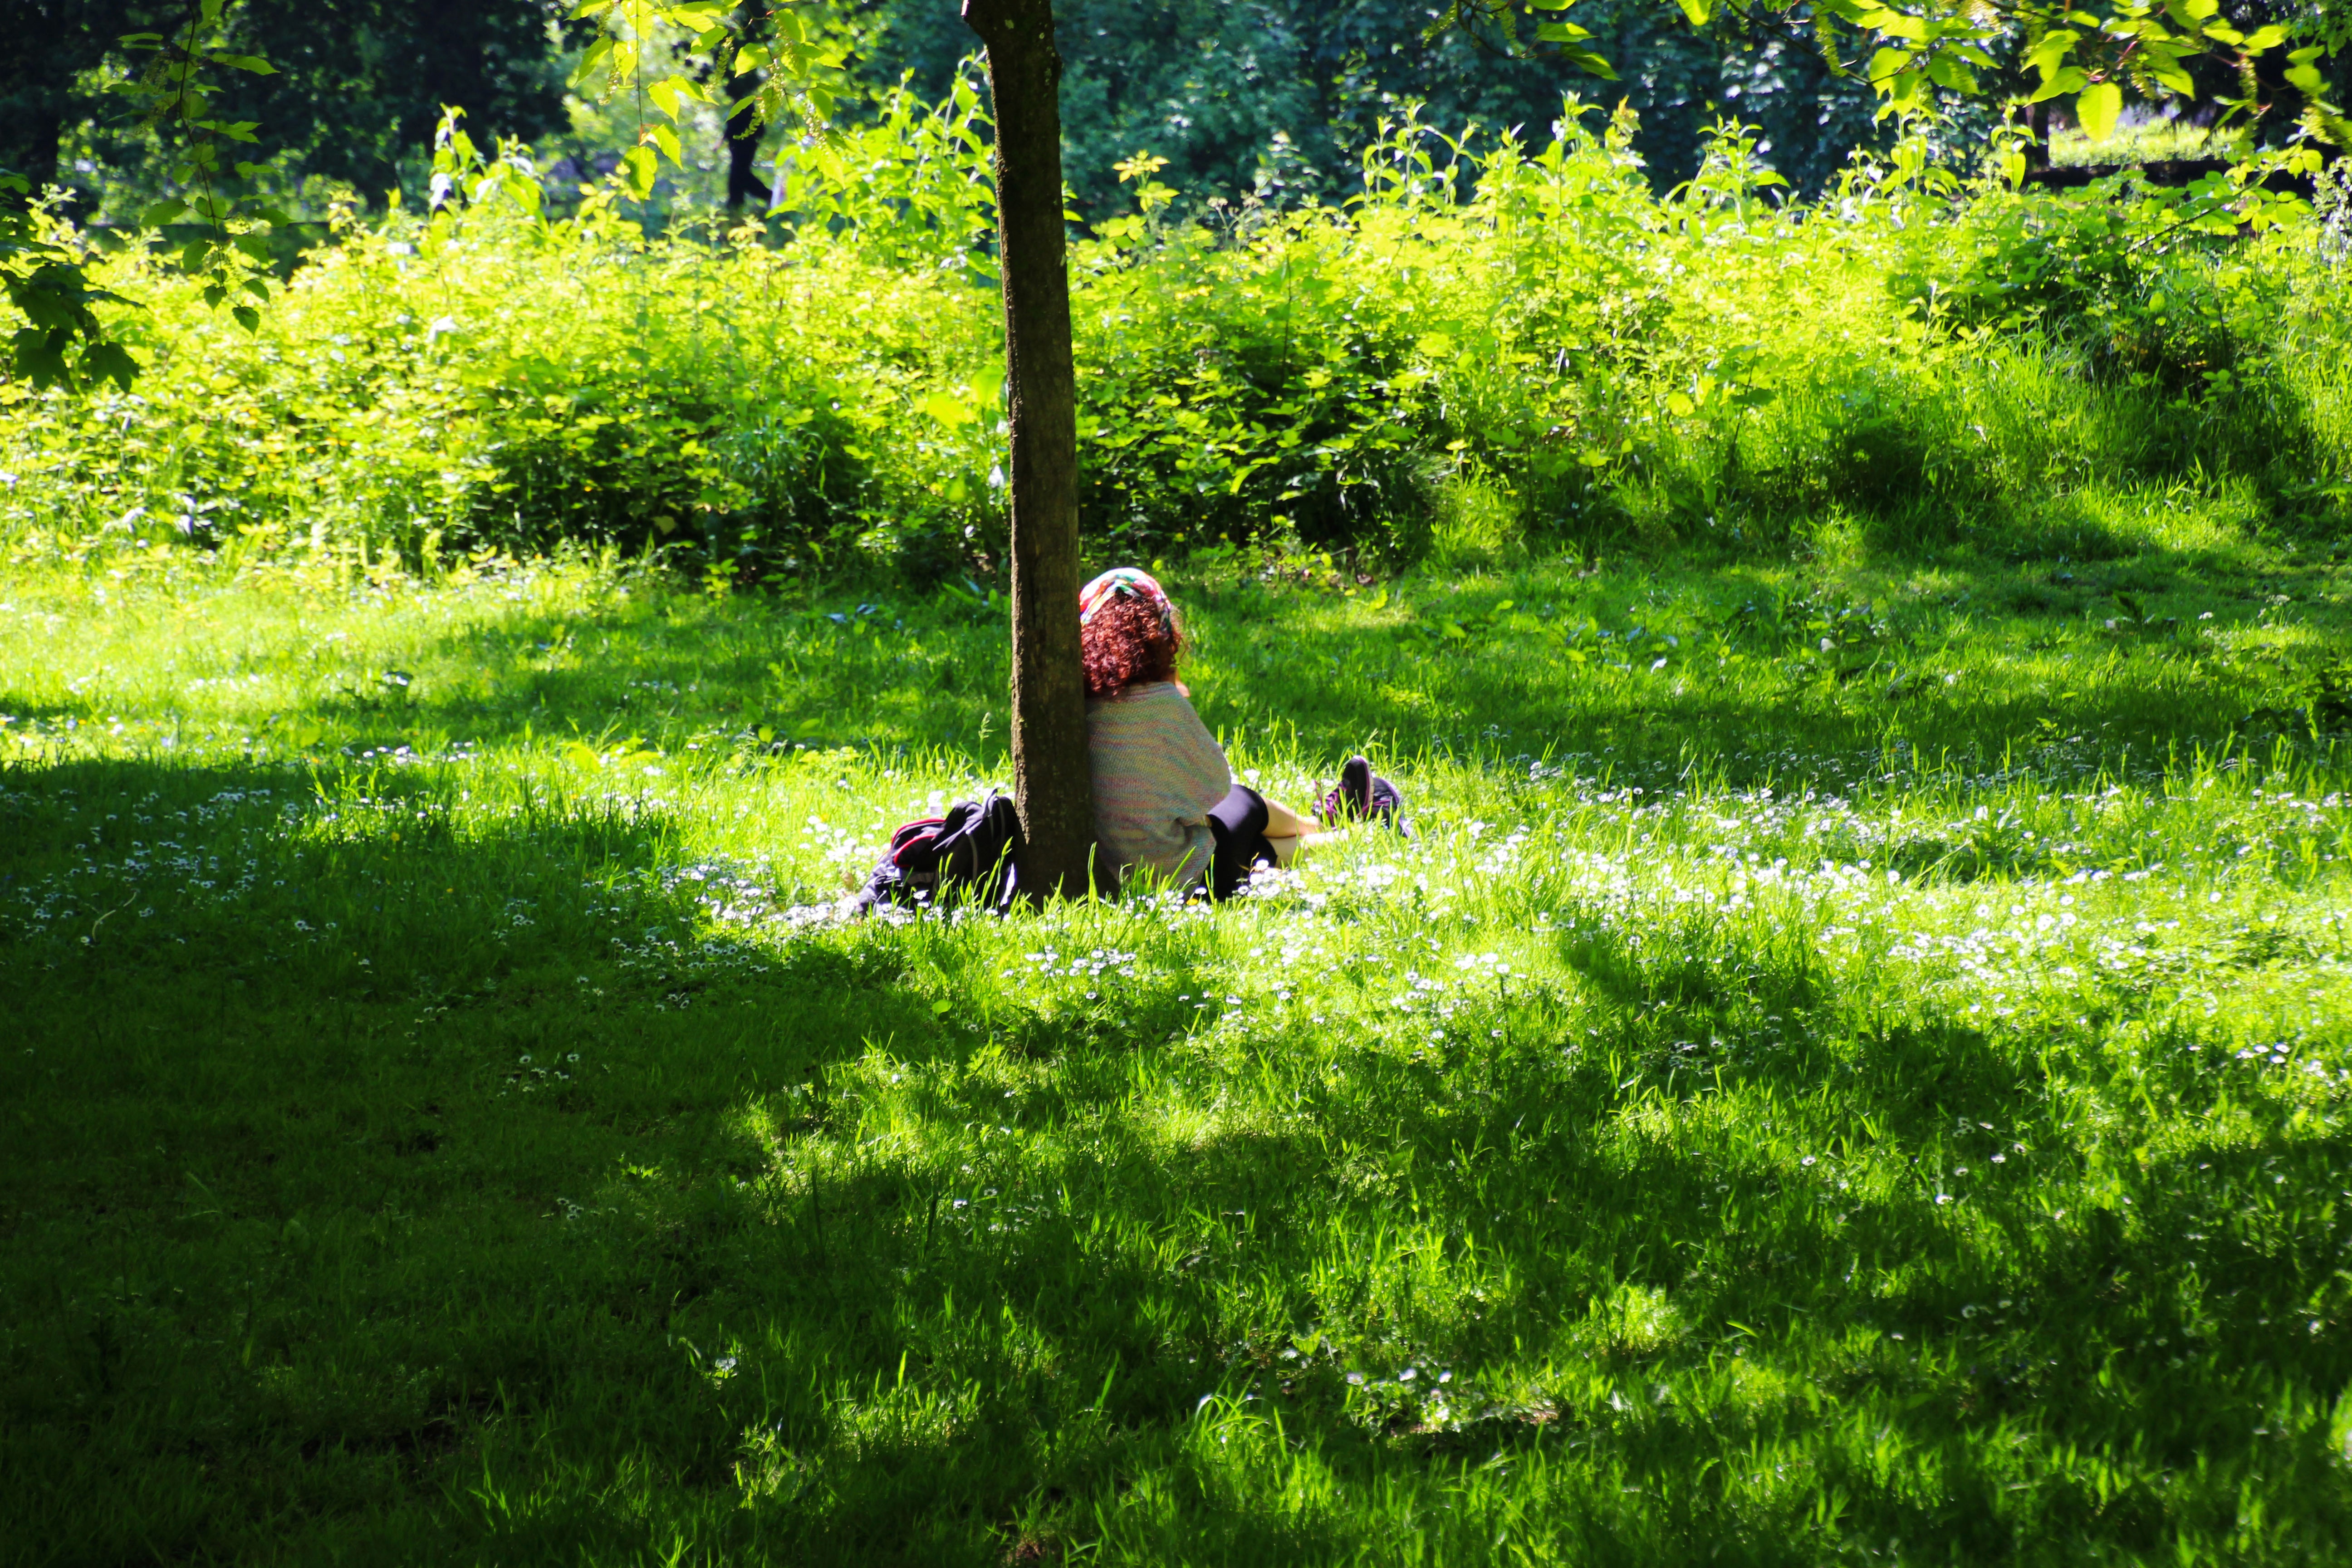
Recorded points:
1599,365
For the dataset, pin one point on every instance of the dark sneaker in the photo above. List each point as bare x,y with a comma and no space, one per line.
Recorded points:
1352,801
1362,794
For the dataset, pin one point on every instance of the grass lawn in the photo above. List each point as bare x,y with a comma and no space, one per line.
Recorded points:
1854,1066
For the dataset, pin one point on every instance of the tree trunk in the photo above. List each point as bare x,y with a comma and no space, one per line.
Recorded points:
30,136
743,133
1051,783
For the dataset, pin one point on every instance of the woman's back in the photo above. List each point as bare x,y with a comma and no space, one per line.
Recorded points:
1157,772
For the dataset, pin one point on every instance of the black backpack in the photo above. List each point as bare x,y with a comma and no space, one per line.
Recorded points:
966,857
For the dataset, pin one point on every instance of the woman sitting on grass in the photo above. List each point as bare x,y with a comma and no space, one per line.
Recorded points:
1166,802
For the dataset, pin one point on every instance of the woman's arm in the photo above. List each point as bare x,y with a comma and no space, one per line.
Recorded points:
1281,822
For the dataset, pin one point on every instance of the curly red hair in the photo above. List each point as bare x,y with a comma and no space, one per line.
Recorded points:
1124,644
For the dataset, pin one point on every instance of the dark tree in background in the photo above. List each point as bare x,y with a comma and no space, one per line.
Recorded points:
1277,96
365,81
49,44
744,130
1271,96
361,83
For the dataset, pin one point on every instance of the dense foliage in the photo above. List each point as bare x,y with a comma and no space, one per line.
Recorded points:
1275,97
357,87
1520,335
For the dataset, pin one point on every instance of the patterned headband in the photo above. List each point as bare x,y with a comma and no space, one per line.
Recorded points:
1124,581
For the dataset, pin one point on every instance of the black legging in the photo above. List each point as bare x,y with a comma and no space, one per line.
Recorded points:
1238,825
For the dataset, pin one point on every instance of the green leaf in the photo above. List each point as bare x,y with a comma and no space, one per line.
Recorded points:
2261,38
111,361
1946,71
2051,53
987,385
523,191
2073,79
2097,109
667,140
947,410
638,168
2165,68
1585,60
162,213
598,59
1696,10
247,317
253,63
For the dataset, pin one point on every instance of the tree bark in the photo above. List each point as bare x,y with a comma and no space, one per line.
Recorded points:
743,182
1051,783
743,132
30,137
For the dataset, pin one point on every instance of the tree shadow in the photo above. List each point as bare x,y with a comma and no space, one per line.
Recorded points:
1279,667
1147,1275
800,676
375,1047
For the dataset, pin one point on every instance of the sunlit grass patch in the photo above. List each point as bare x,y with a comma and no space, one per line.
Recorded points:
1781,1102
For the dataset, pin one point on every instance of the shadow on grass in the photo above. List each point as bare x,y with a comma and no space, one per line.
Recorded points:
1143,1276
1771,716
438,1181
618,674
323,1116
1424,662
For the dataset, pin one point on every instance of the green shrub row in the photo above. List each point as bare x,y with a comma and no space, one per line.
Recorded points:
1515,338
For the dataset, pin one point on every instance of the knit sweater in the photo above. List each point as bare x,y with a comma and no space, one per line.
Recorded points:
1157,772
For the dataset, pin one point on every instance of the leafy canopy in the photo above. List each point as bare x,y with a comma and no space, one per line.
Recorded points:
2085,52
